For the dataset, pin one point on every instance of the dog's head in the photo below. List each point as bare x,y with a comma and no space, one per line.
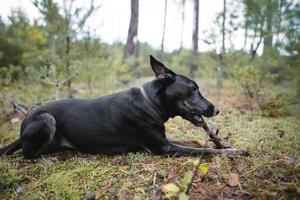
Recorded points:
181,95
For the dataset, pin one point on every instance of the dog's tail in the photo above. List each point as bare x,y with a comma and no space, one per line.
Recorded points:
12,147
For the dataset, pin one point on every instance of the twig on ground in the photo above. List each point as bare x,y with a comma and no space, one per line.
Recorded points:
213,136
19,108
198,164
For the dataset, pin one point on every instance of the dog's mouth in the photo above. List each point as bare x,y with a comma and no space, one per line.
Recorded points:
197,119
194,116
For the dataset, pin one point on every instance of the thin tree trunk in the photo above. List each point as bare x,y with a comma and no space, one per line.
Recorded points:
196,26
223,26
131,44
182,24
67,7
68,47
246,35
268,36
164,28
279,20
193,66
50,37
220,62
261,35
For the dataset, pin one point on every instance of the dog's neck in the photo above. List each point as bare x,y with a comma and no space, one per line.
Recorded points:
150,92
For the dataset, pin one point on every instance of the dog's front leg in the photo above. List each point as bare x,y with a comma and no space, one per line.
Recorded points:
178,150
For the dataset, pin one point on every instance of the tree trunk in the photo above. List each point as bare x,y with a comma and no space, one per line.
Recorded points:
164,28
49,21
279,21
131,44
182,24
268,36
246,35
68,47
220,62
223,26
193,66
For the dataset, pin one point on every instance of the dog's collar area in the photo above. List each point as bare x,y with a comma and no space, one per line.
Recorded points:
159,114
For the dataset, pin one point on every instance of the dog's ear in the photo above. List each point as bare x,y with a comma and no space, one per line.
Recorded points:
161,72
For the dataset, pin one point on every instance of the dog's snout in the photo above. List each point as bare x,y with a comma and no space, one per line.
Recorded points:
216,111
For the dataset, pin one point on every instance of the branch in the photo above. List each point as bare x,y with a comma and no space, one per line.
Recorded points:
189,186
218,144
19,108
88,14
68,78
213,136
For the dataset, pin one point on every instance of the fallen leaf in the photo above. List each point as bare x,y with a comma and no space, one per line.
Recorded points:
233,179
203,168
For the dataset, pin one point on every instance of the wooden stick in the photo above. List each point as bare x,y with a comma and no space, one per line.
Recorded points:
213,136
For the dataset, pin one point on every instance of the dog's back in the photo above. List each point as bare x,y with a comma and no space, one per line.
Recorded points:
110,120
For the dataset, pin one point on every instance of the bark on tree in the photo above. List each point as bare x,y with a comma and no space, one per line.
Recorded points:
182,24
68,14
50,37
246,35
257,30
131,43
223,26
164,28
268,36
193,66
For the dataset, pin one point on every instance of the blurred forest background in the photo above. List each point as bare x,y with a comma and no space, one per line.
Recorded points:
58,51
59,56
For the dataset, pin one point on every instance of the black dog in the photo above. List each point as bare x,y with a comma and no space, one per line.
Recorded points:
128,121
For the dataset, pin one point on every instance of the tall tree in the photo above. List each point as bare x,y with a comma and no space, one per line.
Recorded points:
220,55
193,66
255,23
246,24
268,36
164,27
182,23
223,26
263,19
132,37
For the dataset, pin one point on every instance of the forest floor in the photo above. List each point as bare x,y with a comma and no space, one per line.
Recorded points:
271,172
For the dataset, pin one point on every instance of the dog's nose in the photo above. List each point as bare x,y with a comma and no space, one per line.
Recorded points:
216,110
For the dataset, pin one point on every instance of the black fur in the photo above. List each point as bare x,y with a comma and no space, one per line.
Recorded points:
128,121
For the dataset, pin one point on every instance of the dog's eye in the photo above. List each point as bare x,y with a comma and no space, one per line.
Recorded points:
195,88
